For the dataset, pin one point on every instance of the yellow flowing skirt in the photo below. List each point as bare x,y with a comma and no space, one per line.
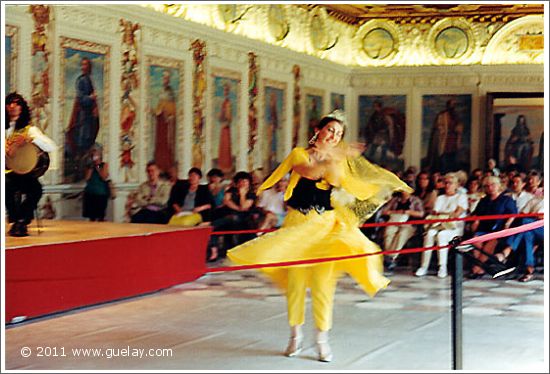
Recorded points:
311,236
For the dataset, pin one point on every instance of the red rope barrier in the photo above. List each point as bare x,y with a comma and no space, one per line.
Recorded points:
411,222
491,236
322,259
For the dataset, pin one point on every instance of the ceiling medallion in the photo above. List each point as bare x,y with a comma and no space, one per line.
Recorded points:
451,40
277,23
378,40
227,16
320,33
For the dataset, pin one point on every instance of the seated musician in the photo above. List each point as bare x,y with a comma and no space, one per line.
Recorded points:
23,191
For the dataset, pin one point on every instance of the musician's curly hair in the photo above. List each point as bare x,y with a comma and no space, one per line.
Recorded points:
24,117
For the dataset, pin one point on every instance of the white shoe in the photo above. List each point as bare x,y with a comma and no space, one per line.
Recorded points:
421,272
442,272
325,353
295,345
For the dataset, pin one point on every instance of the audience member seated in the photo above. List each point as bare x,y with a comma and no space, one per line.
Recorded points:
462,178
477,173
474,194
449,205
409,177
190,202
534,184
216,186
273,206
518,193
425,190
494,203
236,212
151,198
401,208
492,167
505,182
527,240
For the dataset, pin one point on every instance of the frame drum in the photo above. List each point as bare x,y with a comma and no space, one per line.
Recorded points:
28,158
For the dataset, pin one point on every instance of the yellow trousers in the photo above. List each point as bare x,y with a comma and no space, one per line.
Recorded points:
322,285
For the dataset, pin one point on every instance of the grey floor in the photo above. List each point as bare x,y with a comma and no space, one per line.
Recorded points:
237,321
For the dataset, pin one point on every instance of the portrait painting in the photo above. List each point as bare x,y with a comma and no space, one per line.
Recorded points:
519,130
225,130
10,49
84,106
314,111
274,95
382,127
165,89
446,132
337,101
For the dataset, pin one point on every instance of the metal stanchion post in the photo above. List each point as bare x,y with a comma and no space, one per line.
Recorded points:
456,293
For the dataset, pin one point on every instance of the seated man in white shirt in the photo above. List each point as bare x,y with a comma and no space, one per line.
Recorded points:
518,193
23,190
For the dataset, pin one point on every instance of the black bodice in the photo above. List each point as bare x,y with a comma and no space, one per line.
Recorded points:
306,196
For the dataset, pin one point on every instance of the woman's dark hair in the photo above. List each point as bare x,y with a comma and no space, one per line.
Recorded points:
215,172
242,175
24,117
429,188
196,171
471,179
328,119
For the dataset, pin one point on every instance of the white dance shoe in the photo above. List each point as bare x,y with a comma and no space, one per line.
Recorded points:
421,272
324,351
295,346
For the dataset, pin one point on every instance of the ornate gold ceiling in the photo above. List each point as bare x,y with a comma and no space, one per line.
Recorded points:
357,14
384,35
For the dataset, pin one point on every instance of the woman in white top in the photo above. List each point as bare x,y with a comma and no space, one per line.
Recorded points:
449,205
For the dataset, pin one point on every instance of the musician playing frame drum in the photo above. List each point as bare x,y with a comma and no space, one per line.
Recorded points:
23,190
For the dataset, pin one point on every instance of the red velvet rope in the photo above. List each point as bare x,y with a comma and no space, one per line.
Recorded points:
411,222
491,236
318,260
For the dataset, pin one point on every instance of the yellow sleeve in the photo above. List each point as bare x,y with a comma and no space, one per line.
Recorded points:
281,170
359,188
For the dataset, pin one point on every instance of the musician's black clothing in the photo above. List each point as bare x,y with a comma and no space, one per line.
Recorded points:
23,193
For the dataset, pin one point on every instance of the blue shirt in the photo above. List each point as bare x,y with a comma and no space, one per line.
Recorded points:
501,205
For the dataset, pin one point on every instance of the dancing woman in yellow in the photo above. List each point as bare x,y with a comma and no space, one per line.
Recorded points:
331,191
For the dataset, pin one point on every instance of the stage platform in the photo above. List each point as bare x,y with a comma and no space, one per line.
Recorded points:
71,264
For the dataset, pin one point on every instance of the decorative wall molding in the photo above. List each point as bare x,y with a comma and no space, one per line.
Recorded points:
129,100
199,87
162,38
252,110
41,51
88,17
